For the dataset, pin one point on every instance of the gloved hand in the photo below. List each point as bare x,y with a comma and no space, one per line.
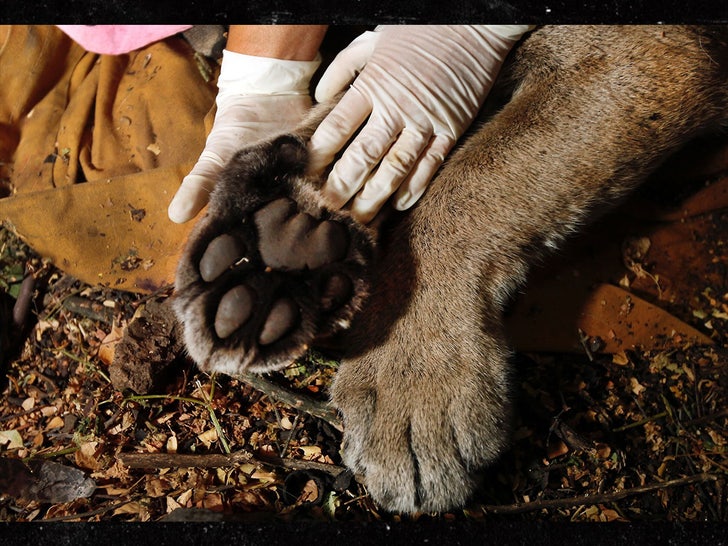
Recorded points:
257,97
420,88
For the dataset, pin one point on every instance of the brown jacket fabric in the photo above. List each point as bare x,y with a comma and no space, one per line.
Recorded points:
93,147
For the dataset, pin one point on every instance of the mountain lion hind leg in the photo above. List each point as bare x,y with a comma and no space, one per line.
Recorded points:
424,389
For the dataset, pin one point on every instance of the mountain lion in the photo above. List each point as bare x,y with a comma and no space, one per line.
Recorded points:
424,384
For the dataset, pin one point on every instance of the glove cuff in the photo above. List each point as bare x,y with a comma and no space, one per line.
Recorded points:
242,74
510,32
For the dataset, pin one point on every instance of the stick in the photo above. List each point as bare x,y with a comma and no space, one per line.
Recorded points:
88,309
603,498
96,512
304,403
178,460
216,460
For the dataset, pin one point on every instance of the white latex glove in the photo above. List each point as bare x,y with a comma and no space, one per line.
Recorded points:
257,97
420,88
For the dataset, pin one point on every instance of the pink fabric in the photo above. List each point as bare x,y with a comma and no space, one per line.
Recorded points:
118,39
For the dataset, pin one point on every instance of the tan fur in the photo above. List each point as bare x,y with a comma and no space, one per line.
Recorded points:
424,390
424,387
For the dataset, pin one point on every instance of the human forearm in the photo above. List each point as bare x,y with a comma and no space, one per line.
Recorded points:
290,42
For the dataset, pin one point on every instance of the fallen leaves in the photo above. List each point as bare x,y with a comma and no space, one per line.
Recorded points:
646,430
107,347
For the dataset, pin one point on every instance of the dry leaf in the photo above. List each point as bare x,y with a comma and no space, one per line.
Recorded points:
134,507
87,456
212,501
48,411
172,505
11,438
56,422
310,452
620,358
557,449
155,487
635,386
208,437
310,492
611,515
109,343
717,438
185,497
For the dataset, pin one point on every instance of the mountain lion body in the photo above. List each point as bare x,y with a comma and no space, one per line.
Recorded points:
424,385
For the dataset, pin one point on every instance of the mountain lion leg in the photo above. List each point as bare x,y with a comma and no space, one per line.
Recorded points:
424,390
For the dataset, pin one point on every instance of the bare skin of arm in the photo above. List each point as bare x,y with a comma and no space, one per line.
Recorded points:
290,42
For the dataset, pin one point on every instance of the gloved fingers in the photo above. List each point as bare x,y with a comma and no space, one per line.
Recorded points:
194,191
394,169
345,66
336,129
414,187
358,161
191,197
396,164
240,121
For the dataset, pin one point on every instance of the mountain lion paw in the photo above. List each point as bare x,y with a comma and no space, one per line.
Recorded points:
268,269
417,438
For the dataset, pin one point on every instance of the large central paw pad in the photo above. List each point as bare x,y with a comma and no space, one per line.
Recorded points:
269,269
293,240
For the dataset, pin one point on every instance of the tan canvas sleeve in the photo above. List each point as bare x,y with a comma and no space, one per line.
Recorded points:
86,139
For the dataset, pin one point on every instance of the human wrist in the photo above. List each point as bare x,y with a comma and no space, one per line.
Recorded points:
242,74
289,42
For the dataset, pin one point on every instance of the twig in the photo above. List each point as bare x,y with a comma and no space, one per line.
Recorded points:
88,309
603,498
179,460
641,422
216,460
290,435
300,464
96,512
21,414
298,401
706,418
211,411
584,340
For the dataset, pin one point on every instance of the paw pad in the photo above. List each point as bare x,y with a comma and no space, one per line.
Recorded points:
267,272
282,318
295,240
234,310
223,252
